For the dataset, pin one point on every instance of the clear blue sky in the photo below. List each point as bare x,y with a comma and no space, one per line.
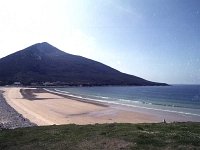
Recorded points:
158,40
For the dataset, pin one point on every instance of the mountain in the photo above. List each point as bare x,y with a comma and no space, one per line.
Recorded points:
43,62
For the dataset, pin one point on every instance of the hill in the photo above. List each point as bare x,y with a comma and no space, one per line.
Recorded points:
43,62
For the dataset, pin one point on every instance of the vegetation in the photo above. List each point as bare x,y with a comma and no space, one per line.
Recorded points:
106,136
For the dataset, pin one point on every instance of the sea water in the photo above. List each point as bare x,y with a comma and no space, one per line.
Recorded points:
184,99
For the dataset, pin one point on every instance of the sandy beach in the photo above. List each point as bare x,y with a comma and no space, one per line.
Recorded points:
44,108
49,109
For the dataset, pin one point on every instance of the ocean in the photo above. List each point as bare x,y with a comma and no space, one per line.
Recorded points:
183,99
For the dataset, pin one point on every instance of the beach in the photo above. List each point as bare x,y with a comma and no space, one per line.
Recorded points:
48,109
10,118
42,107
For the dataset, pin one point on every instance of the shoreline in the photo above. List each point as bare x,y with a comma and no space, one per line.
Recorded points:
9,117
179,116
47,108
42,90
58,110
103,102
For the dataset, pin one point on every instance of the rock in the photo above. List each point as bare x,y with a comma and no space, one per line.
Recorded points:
12,117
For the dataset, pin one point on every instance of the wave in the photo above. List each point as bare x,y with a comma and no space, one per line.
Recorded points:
129,101
123,100
103,97
130,104
61,91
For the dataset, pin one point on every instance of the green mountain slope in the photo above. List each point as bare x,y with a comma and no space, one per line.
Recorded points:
43,62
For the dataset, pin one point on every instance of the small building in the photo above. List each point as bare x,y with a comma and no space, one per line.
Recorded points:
34,84
48,84
17,83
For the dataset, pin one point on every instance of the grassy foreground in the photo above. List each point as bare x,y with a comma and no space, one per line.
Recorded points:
106,136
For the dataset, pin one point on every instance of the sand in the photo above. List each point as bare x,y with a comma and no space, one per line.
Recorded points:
48,109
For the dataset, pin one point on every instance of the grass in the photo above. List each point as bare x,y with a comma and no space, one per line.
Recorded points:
104,136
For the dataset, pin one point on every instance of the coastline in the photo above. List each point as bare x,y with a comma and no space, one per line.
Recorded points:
9,117
52,109
159,114
48,108
162,108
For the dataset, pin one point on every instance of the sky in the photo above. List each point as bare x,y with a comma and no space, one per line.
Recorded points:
158,40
